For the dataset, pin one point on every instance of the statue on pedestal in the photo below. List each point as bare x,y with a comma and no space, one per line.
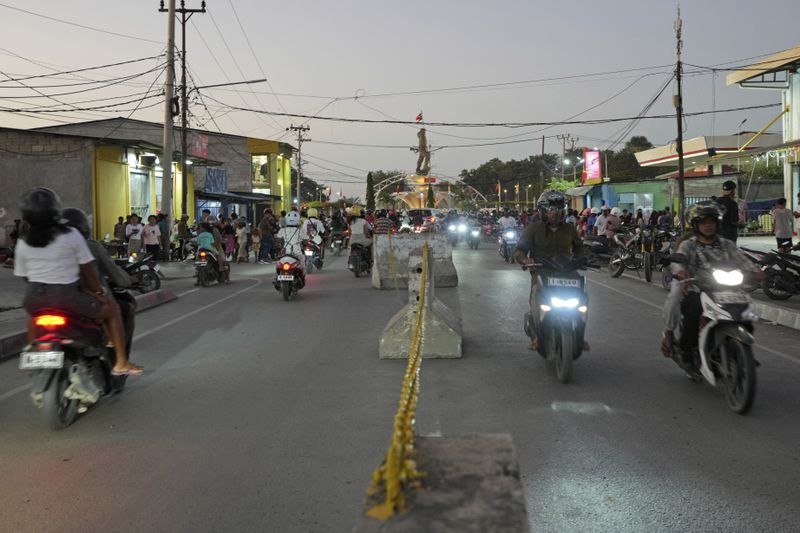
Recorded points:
424,151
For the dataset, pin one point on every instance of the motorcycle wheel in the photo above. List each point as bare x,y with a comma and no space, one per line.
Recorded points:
770,285
338,251
202,277
616,266
309,265
648,267
357,267
564,356
59,412
738,375
148,281
286,289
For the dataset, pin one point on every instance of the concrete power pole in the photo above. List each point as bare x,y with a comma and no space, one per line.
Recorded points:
169,91
300,140
678,101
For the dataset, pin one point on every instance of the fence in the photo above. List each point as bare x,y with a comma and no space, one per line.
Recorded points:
398,470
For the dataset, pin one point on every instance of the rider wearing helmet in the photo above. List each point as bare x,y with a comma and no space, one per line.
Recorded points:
550,238
292,235
61,272
613,223
705,247
360,232
313,227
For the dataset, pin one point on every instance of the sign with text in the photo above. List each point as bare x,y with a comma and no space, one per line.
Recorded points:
592,168
197,145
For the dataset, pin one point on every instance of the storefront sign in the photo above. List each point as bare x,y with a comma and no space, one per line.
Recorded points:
197,145
592,168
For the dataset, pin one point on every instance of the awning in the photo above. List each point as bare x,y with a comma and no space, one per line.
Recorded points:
237,197
579,191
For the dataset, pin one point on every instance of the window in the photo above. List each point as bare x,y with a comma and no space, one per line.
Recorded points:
140,194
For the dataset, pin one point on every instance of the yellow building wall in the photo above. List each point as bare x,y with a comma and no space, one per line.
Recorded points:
111,190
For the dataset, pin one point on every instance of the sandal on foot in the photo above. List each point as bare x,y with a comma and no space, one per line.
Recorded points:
132,370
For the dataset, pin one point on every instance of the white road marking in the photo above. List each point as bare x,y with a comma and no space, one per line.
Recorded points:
581,408
651,304
14,392
184,293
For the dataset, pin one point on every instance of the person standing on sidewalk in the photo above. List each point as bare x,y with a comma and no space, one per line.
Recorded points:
163,227
133,232
783,222
151,237
729,227
267,229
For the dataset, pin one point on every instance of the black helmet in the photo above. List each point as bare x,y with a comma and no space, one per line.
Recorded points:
40,206
77,219
705,209
552,200
381,213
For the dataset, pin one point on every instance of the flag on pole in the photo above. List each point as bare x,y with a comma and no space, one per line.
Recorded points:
419,117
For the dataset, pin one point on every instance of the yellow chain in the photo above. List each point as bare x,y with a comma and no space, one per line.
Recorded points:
399,470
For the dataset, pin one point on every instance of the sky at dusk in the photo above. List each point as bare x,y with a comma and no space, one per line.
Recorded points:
350,58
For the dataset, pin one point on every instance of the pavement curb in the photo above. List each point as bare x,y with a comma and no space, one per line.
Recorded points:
11,345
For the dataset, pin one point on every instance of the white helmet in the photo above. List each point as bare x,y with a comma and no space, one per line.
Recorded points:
292,219
615,211
595,211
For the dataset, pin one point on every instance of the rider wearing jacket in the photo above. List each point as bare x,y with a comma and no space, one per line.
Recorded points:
704,248
551,238
292,235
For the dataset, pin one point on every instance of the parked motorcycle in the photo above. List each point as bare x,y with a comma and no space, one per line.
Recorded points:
290,276
782,280
763,261
560,318
724,355
207,270
70,366
144,271
359,262
633,252
312,251
508,243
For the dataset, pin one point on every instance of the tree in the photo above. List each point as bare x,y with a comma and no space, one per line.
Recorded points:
557,184
370,193
431,198
384,197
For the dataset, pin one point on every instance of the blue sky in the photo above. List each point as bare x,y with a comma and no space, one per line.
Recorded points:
345,48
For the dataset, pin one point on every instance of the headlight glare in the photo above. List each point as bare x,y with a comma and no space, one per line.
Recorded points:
730,278
569,303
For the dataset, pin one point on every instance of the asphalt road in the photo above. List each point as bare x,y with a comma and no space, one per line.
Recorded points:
261,415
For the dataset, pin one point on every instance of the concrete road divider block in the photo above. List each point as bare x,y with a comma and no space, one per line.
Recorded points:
471,485
154,298
392,259
441,337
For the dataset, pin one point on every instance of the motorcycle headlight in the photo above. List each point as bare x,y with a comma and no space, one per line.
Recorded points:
569,303
462,228
510,235
451,227
730,278
475,233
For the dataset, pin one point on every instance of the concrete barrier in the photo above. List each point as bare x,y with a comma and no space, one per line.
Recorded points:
153,299
441,327
471,485
391,258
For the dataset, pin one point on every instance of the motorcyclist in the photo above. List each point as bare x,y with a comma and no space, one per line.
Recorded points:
312,228
507,221
361,233
292,235
551,238
451,218
61,272
382,225
706,247
600,222
114,279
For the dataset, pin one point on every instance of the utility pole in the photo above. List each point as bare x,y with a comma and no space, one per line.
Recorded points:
184,11
300,140
564,138
678,102
169,91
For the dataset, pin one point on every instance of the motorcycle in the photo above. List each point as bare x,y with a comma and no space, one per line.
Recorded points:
207,269
560,318
782,280
474,237
359,261
724,355
143,270
455,231
70,365
290,276
763,261
337,242
311,251
633,252
508,243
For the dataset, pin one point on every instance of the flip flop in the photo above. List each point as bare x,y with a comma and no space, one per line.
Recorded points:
132,370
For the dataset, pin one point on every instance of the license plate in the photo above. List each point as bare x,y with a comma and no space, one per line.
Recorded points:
32,360
730,298
563,282
285,278
157,268
201,263
308,252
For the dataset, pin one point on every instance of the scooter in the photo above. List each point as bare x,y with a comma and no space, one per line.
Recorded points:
311,251
724,354
561,313
207,269
70,366
455,231
144,271
290,276
337,242
359,262
508,243
474,237
782,281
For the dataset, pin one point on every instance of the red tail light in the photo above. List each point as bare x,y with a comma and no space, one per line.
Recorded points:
203,254
50,321
286,266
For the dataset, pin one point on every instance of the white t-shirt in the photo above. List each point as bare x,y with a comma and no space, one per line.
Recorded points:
507,222
151,234
134,231
358,230
58,263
